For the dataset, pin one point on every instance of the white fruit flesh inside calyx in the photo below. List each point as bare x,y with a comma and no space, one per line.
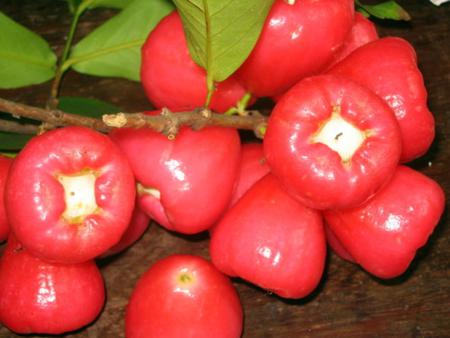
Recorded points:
79,196
149,191
341,136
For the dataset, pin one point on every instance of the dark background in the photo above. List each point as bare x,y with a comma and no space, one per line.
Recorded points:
348,302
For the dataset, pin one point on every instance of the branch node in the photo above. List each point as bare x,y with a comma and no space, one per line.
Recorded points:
205,113
43,127
115,120
172,124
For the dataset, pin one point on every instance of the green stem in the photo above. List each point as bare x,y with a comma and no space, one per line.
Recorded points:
241,106
54,91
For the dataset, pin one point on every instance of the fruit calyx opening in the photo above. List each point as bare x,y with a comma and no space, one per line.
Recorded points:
79,195
340,135
185,277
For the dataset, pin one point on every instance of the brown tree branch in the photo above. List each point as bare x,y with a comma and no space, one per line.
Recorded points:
55,118
167,122
15,127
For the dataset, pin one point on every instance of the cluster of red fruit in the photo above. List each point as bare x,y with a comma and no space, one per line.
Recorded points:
330,168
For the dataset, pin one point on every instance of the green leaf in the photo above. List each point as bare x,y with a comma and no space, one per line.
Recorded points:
110,3
363,12
221,34
385,10
86,107
12,141
113,49
25,57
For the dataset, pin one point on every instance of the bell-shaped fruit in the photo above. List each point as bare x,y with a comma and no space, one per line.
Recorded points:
45,298
388,67
363,31
70,195
171,78
384,234
184,184
271,240
297,40
183,296
331,142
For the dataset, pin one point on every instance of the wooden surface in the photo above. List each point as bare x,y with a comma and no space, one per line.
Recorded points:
348,302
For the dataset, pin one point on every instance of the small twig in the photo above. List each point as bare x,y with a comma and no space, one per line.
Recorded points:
167,122
14,127
56,118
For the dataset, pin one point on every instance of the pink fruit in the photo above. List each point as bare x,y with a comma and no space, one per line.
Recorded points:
183,296
184,184
399,83
363,31
384,234
70,195
138,225
331,142
271,240
171,78
41,297
297,41
253,166
5,163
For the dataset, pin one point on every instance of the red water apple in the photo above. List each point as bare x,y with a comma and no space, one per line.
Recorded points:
336,245
331,142
296,41
363,31
70,195
184,184
172,79
183,296
41,297
138,225
5,163
271,240
388,67
252,167
384,234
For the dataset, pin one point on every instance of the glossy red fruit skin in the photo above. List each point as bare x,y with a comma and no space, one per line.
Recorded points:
5,164
172,79
41,297
363,31
138,225
315,174
384,234
296,41
163,305
271,240
400,83
252,167
336,245
195,173
35,199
